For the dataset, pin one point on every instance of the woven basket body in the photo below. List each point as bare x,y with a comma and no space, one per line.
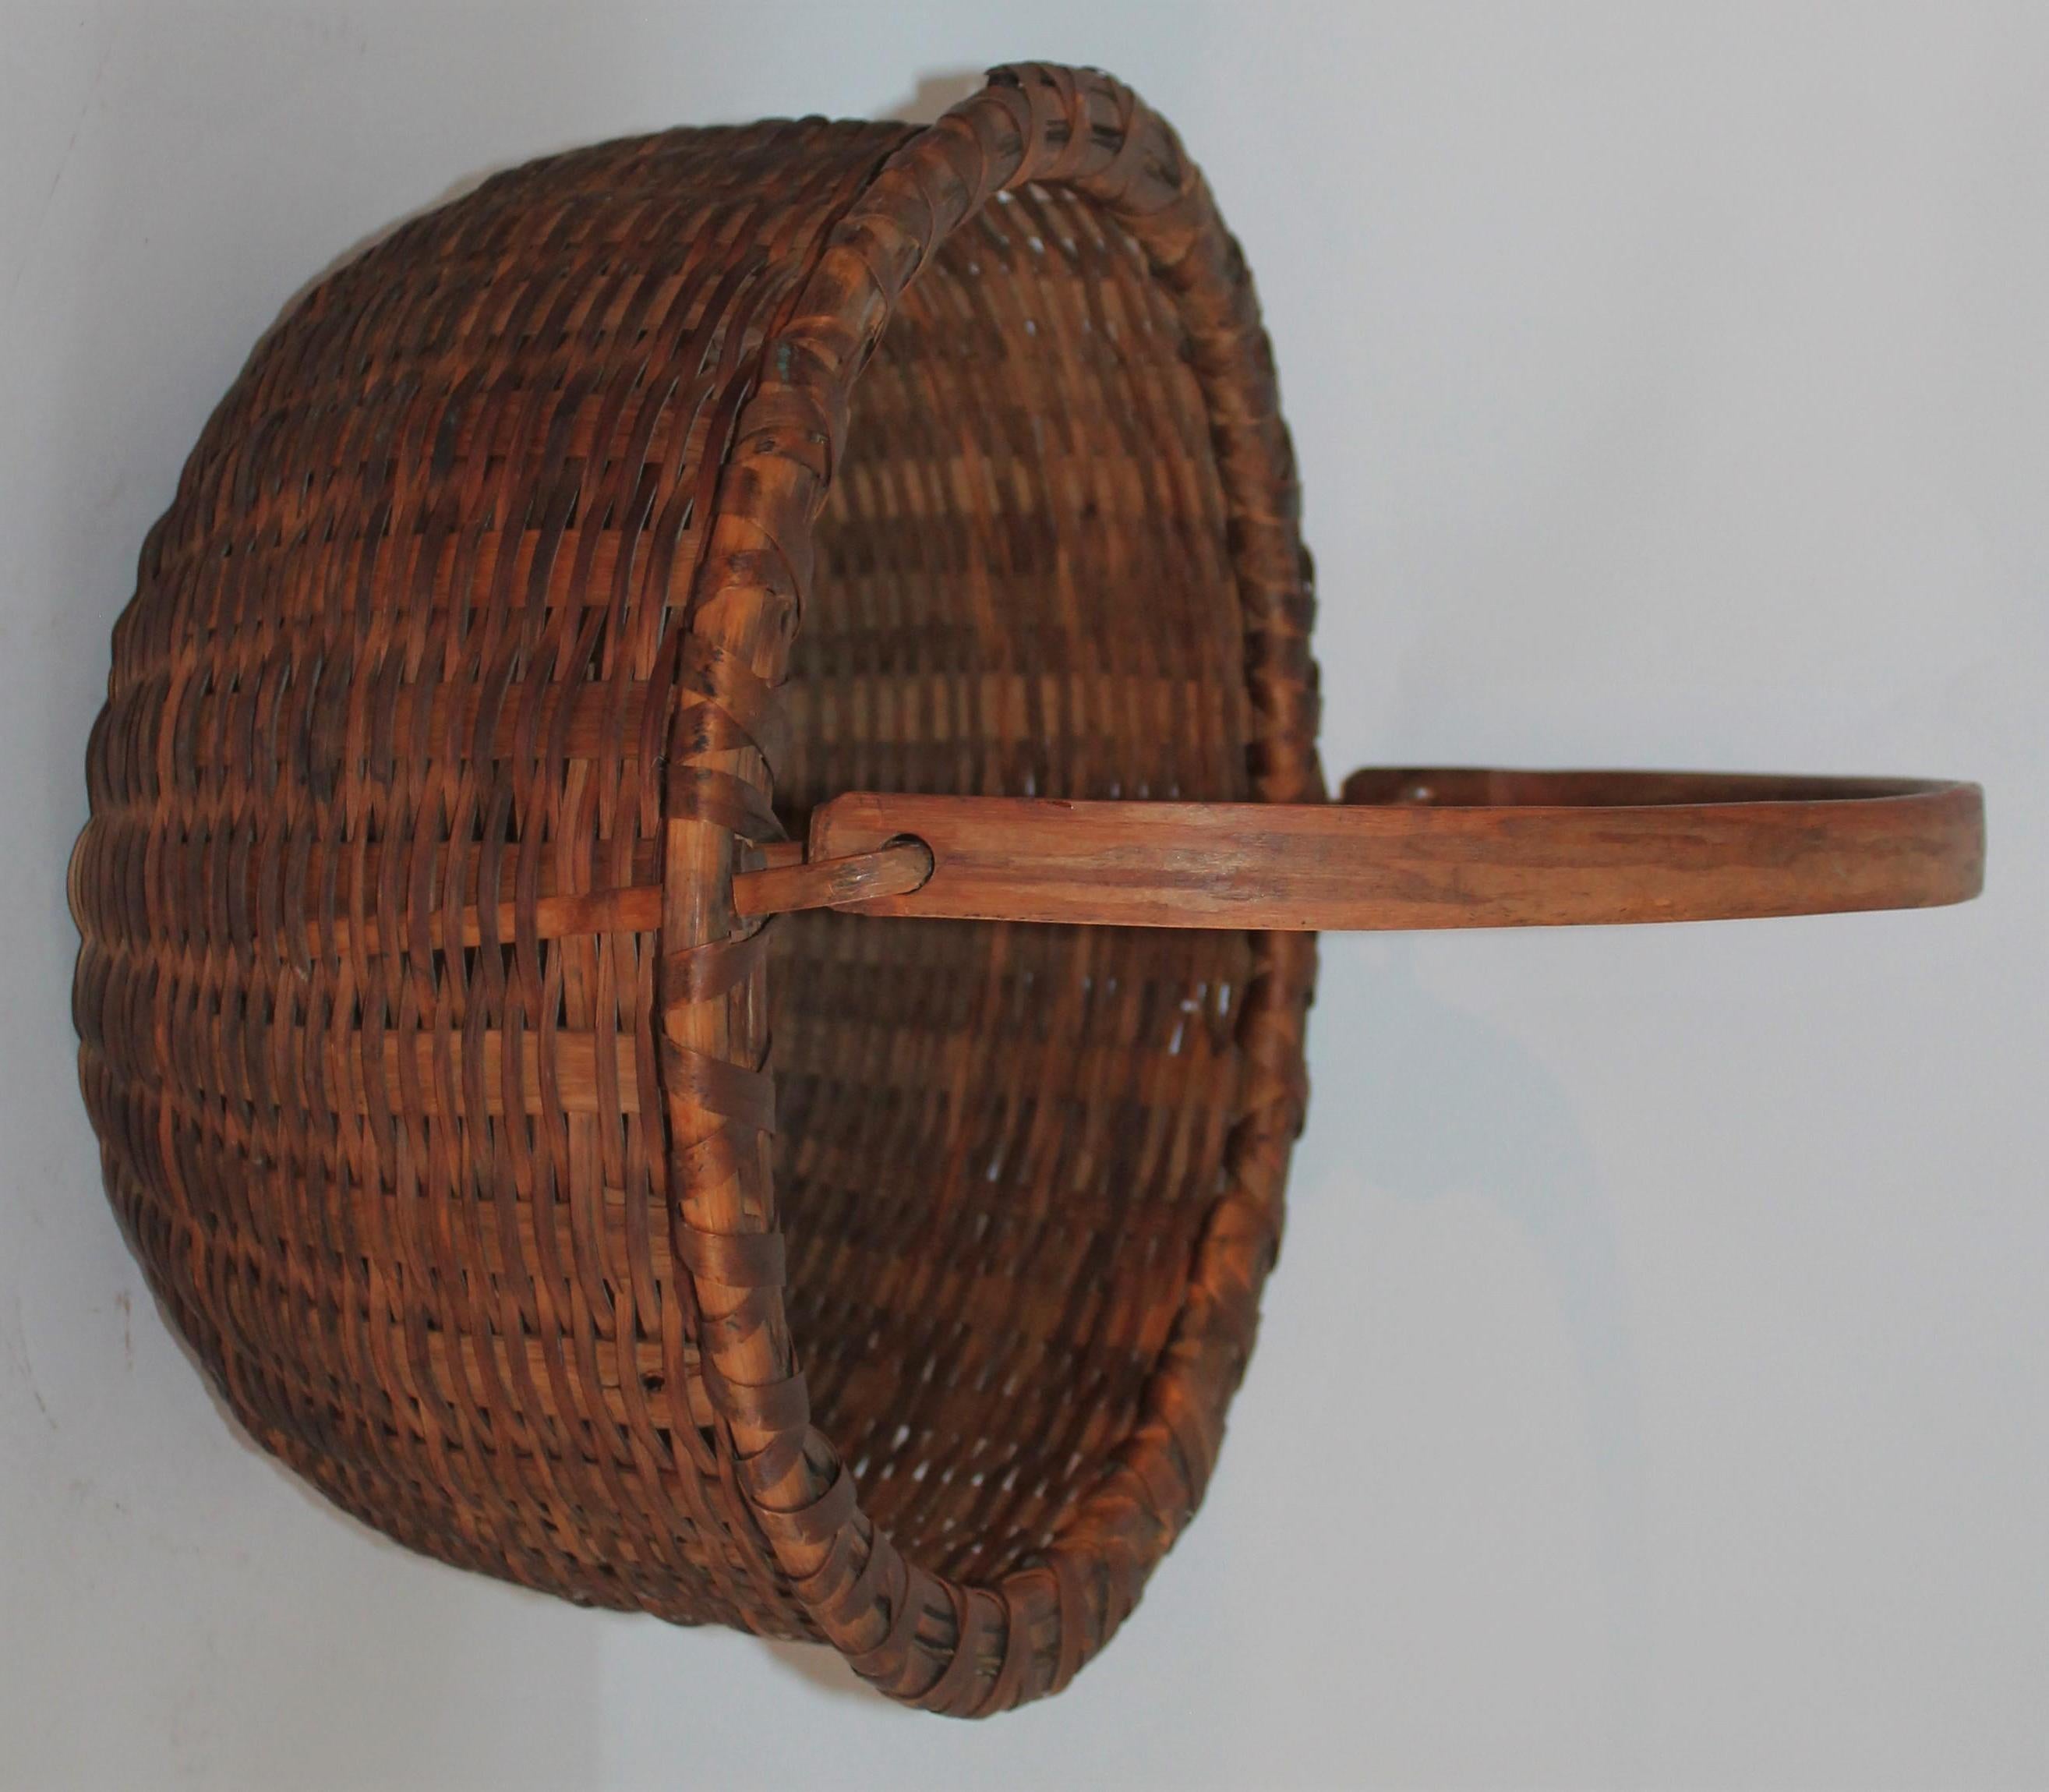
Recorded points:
883,1283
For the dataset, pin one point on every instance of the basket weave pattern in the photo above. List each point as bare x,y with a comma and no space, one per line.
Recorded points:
582,536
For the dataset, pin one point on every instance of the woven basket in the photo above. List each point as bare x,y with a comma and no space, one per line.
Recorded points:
455,735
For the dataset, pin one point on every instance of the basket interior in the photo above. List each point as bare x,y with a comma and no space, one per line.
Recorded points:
997,1144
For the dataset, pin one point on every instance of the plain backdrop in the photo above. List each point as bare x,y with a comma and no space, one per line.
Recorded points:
1654,1387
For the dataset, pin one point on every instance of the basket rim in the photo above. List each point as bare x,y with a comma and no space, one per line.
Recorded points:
965,1649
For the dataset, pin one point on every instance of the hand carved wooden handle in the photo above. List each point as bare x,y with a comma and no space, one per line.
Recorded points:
1405,849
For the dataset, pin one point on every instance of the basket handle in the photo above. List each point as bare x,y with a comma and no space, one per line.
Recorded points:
1404,848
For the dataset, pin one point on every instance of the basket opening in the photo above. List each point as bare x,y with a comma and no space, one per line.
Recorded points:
997,1144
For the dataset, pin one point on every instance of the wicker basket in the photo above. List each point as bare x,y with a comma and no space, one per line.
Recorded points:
454,737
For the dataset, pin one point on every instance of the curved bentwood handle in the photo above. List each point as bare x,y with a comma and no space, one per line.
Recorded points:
1404,848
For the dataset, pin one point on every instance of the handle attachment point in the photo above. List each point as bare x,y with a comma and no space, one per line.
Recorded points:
899,867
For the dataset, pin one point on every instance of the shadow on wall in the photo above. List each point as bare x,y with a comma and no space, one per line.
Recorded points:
1448,1104
937,93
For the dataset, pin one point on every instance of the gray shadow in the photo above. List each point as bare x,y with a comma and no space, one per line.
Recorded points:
936,92
1443,1103
821,1665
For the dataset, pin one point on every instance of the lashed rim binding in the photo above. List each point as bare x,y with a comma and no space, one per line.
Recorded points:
964,1649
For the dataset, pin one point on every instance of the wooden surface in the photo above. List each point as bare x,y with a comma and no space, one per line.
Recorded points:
1449,849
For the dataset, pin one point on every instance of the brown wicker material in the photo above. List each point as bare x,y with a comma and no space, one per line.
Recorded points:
478,603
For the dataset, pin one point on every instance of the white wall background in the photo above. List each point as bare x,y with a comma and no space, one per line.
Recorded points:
1655,1389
